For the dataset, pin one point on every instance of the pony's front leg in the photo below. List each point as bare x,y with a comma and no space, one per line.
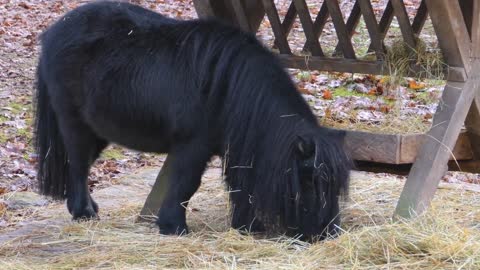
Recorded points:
188,164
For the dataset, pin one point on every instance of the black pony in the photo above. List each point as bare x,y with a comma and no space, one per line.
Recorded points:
115,72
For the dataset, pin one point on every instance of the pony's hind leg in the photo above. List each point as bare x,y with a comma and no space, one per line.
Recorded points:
185,172
83,148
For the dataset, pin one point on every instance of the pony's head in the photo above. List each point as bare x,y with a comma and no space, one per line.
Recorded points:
307,185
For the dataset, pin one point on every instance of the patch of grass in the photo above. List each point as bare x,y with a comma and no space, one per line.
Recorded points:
343,91
112,153
16,107
3,137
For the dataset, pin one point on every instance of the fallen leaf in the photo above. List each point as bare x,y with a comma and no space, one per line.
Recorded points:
385,109
412,84
327,94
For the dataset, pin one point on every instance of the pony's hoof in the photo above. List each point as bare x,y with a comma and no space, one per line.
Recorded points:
87,213
81,212
170,229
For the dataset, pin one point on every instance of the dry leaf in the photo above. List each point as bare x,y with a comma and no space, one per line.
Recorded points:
412,84
327,94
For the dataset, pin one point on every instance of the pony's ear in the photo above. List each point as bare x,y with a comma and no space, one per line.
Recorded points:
305,146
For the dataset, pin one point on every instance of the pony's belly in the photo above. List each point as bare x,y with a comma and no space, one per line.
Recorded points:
139,139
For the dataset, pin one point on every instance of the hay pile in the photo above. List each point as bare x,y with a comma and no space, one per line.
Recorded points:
447,238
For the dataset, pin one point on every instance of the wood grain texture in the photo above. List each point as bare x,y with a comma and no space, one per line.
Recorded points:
451,31
431,162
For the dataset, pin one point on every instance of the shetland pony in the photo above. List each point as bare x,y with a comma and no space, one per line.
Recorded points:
117,73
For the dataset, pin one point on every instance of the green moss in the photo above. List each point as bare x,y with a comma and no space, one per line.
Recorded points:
24,132
3,119
3,138
16,107
112,153
343,91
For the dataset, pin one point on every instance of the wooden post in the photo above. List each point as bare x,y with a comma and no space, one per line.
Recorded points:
431,162
247,14
472,123
451,31
156,196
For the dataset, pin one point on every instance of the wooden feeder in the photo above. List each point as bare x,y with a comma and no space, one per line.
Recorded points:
457,27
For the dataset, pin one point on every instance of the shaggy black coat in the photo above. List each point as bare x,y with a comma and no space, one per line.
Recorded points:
116,72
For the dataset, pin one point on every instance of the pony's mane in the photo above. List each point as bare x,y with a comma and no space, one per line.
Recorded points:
263,115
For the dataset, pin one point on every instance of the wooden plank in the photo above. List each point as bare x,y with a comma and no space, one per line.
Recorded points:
471,166
355,66
431,162
451,31
241,15
372,27
320,21
410,145
466,6
203,8
312,43
476,30
420,18
373,147
157,194
472,123
277,28
288,21
255,13
352,23
404,22
332,64
341,29
385,22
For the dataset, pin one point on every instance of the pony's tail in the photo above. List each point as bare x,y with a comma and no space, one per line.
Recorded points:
52,170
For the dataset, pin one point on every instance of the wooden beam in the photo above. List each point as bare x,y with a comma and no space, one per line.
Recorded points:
356,66
241,15
451,31
277,28
431,162
420,18
352,23
320,21
476,30
466,6
404,22
410,147
157,194
341,29
384,23
288,21
372,27
472,123
203,8
373,147
312,43
332,64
